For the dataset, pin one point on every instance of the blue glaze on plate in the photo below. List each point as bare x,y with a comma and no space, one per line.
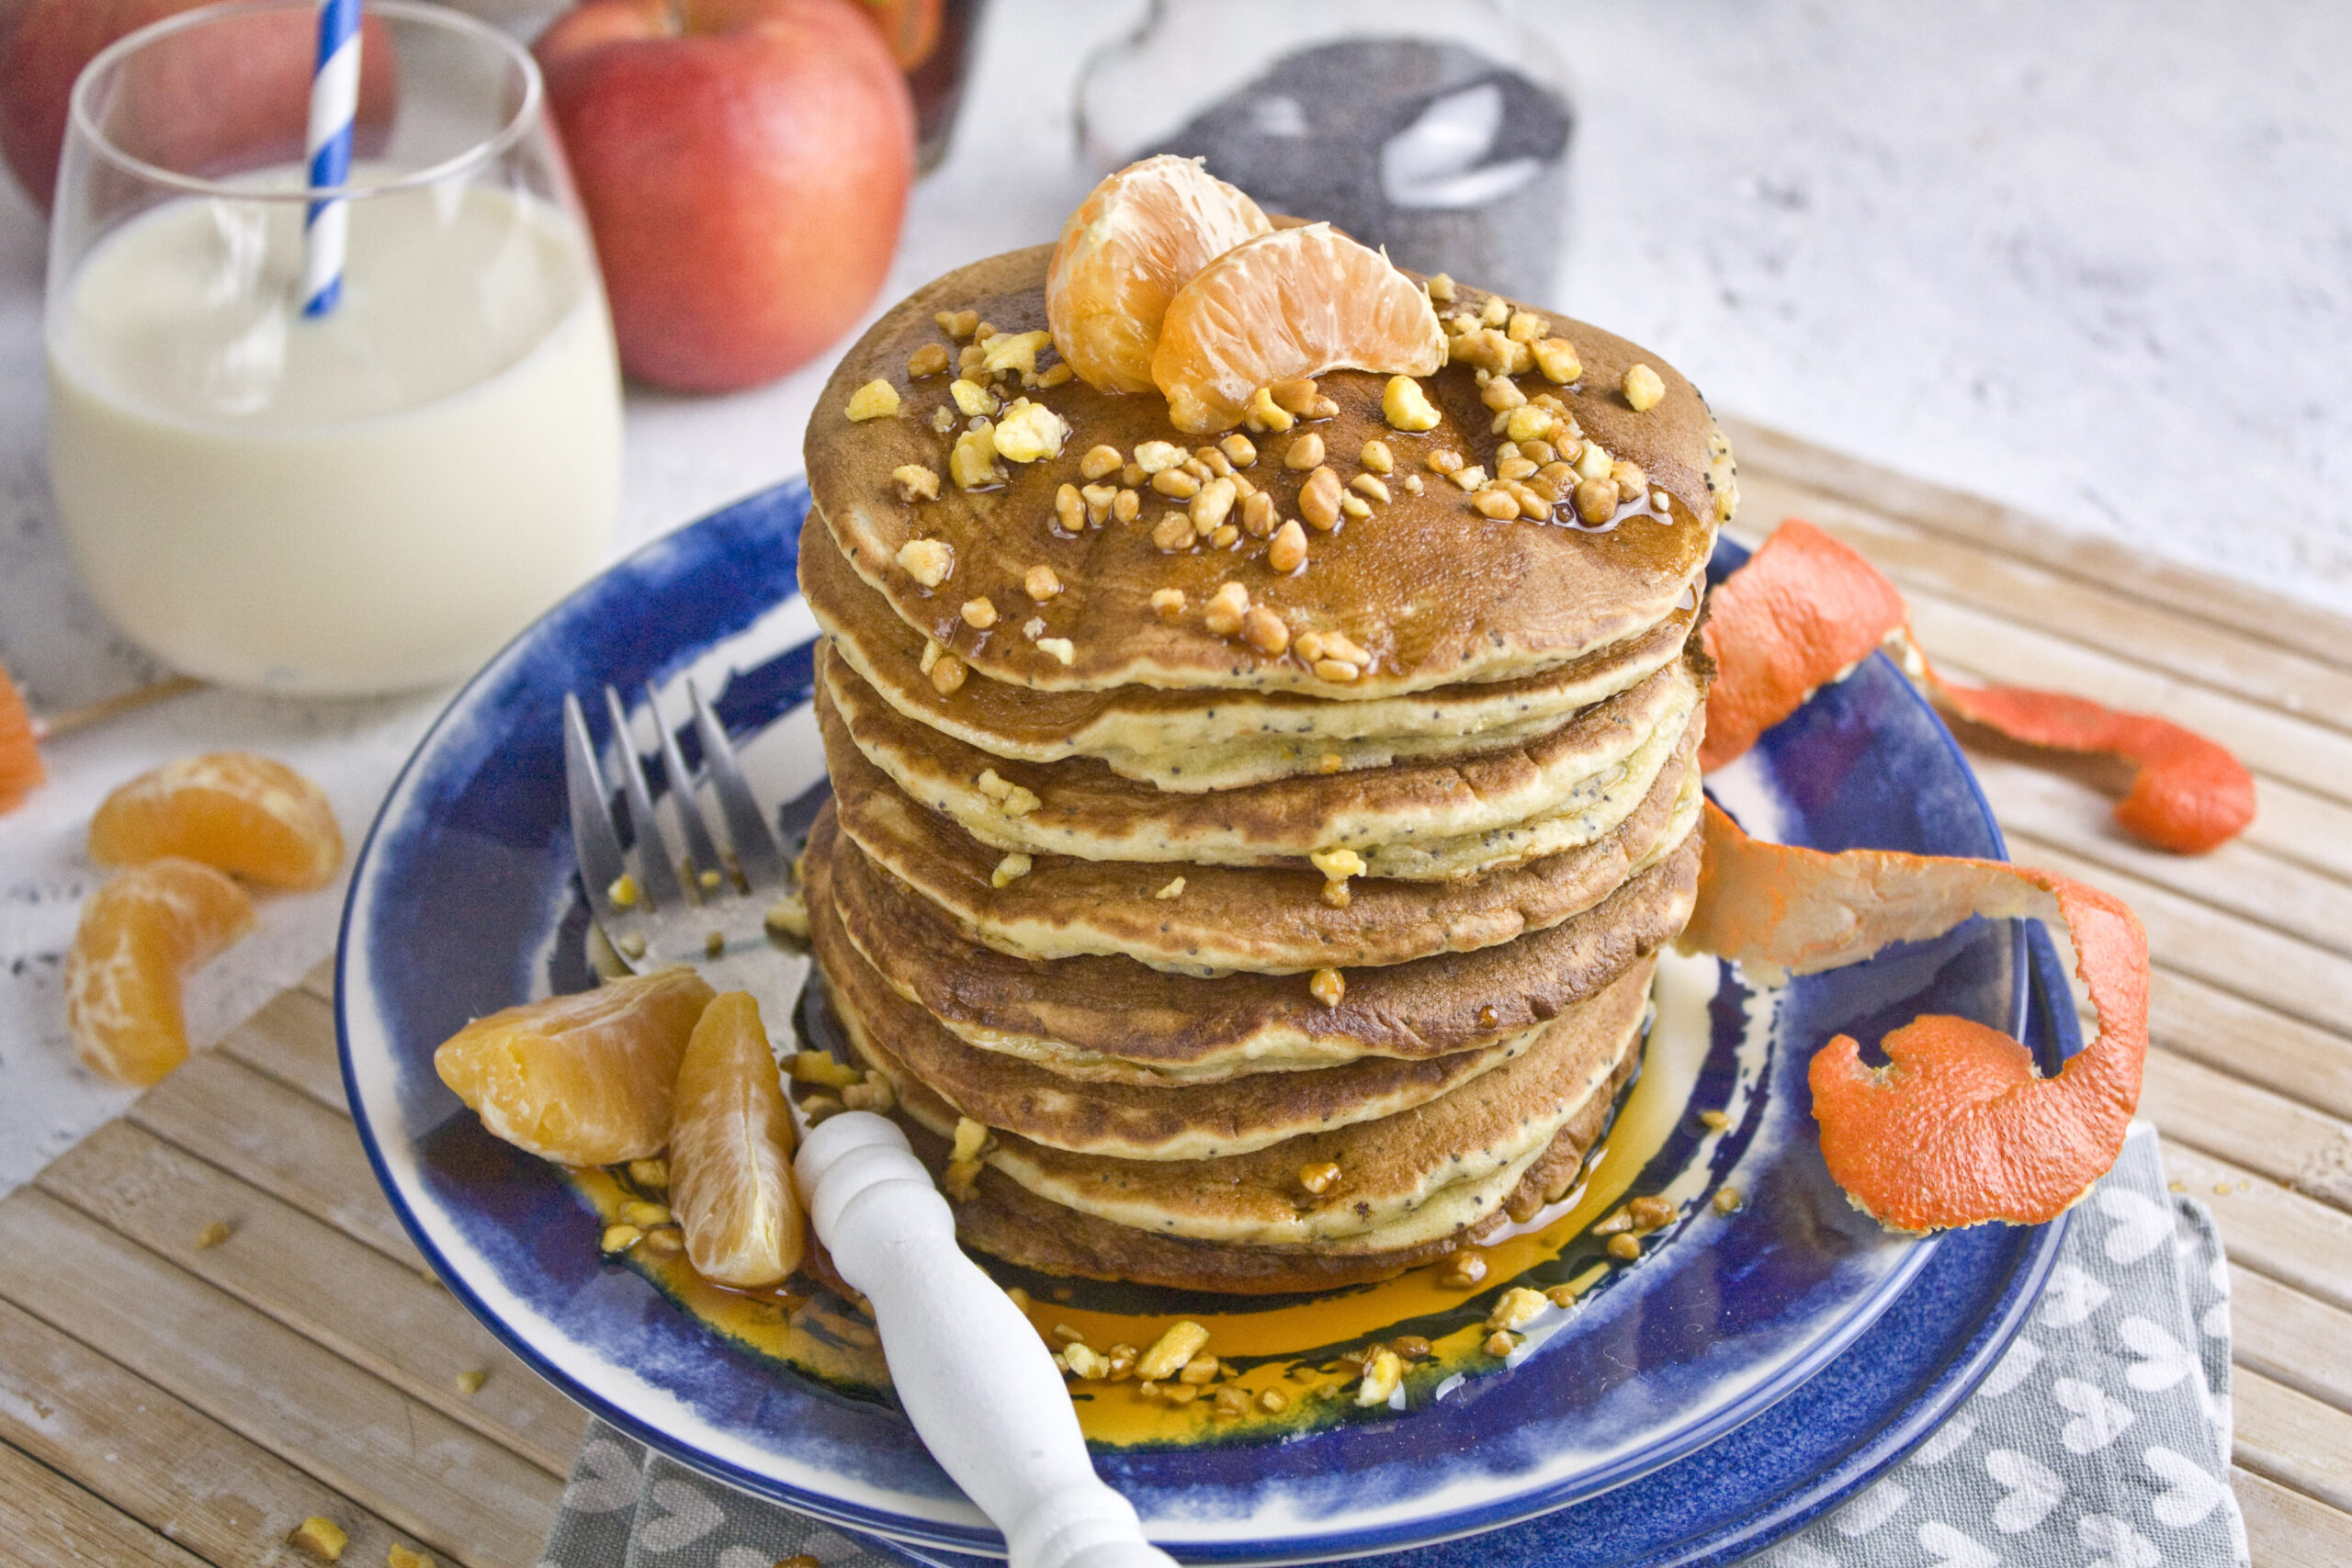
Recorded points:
1724,1355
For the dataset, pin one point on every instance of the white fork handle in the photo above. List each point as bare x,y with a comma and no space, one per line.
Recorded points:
980,1385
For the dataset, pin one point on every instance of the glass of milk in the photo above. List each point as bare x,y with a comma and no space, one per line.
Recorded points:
373,500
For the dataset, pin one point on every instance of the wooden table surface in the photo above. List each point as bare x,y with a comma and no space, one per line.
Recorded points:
165,1402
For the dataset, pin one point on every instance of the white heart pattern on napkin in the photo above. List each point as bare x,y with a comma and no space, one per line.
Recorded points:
2119,1545
2190,1493
1802,1553
2016,1365
2032,1486
1871,1509
2141,1226
607,1480
1954,1549
688,1513
2163,1361
2098,1418
1947,1440
746,1557
2070,1297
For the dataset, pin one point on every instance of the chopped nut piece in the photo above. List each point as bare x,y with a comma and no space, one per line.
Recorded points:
1499,1345
1030,431
816,1068
1514,468
1596,501
1295,396
618,1238
1376,456
971,1138
1173,532
1273,1401
1257,512
1176,1344
1531,423
992,784
1056,376
1065,652
1304,452
948,675
1011,869
979,613
1127,506
1263,414
1642,388
972,399
1728,1201
1327,986
1501,394
877,400
652,1173
212,1235
1490,351
1091,1365
1069,510
1533,504
958,323
1226,537
1526,326
1064,1333
972,463
1382,1373
1238,450
1470,476
1288,553
470,1383
931,359
1354,506
644,1216
1169,602
623,891
972,362
786,916
321,1537
1175,889
1537,451
666,1242
1217,462
1441,289
1325,408
1412,484
1624,1246
1613,1224
1318,499
942,419
1336,894
1444,460
1180,1393
1592,462
1176,483
1714,1120
1562,1295
817,1107
1016,352
1265,631
1099,499
1340,864
1198,1371
1495,311
1100,461
1211,506
1405,407
1464,1270
1370,487
1516,1307
1200,470
1319,1179
928,561
1154,456
1338,670
914,482
1041,583
1226,607
1649,1213
874,1094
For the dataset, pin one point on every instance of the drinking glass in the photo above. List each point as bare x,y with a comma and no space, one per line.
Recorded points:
369,500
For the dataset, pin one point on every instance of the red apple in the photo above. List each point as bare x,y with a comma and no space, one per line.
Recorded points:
227,99
744,165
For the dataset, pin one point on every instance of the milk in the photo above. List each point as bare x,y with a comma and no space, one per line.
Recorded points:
373,501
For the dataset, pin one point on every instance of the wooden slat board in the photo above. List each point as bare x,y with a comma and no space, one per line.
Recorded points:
170,1404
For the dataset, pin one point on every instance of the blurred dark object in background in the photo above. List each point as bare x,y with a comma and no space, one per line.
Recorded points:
932,40
1401,124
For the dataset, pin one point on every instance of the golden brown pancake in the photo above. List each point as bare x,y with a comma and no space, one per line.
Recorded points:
1418,820
1267,920
1209,739
1108,1017
1005,1220
1414,1177
1438,594
1125,1121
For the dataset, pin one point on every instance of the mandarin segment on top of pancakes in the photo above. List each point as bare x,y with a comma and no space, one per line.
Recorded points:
1435,592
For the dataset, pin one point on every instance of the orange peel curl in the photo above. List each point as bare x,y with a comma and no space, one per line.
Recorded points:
1958,1128
1807,608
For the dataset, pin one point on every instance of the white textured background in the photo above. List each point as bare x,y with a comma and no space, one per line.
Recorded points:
2094,260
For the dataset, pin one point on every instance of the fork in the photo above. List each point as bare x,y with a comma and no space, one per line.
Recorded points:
974,1377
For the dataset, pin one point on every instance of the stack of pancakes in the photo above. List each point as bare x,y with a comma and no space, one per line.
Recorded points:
1261,975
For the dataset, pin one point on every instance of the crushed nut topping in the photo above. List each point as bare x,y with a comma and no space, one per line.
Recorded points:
1624,1247
1327,986
931,359
1470,476
1441,289
1557,358
1174,889
1126,506
1065,652
1499,1344
972,399
1265,631
1377,457
1596,501
1629,478
320,1537
1029,431
1041,583
1176,1346
1238,450
1069,510
1319,498
1497,504
877,400
1464,1270
1304,452
1370,487
972,464
914,482
1173,532
1263,414
1056,376
1319,1179
1258,515
1016,352
1642,388
929,561
1288,553
1383,1374
1295,396
1156,457
1226,607
654,1173
1100,461
619,1239
1211,504
1089,1365
1011,869
1169,602
1531,423
958,323
948,675
1516,1308
979,613
1338,864
1099,499
1176,483
1337,671
1501,394
1034,627
1727,1200
1406,406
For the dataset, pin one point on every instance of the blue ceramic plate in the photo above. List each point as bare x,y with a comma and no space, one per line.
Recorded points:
1747,1374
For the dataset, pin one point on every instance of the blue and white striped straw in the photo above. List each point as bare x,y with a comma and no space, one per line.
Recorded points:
335,104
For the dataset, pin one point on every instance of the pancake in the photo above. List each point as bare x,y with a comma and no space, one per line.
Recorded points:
1117,1021
1266,919
1419,820
1007,1221
1437,594
1414,1177
1213,740
1125,1121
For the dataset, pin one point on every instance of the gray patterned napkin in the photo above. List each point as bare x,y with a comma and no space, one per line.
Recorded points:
2100,1440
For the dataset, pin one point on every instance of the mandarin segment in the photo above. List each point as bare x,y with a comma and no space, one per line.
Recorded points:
1137,238
139,934
251,816
731,1152
1290,304
585,1080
